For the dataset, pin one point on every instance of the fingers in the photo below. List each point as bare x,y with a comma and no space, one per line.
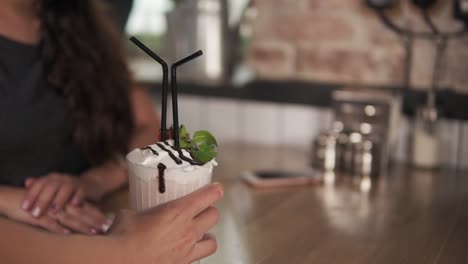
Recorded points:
29,182
51,225
62,197
70,220
200,200
91,216
206,220
110,219
79,197
53,191
85,219
32,194
206,247
44,198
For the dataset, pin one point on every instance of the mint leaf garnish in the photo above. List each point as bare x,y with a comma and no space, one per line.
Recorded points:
204,137
202,147
204,157
183,133
184,138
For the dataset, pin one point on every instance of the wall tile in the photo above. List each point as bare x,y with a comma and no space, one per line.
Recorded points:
223,119
302,124
260,123
464,153
448,135
401,153
191,112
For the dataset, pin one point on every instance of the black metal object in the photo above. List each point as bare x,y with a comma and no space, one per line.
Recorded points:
416,34
175,107
175,104
165,83
461,11
382,5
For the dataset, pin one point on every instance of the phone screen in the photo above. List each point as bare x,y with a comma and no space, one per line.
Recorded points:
280,174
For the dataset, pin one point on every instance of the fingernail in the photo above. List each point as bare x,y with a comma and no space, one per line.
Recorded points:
219,187
105,227
76,202
66,231
93,231
36,212
25,205
110,221
56,208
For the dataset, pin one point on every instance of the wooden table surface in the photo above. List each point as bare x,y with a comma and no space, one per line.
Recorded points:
408,216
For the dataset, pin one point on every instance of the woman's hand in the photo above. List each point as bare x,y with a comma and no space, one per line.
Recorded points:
10,207
174,233
52,192
86,218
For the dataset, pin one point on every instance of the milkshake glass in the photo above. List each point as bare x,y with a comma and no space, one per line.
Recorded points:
159,174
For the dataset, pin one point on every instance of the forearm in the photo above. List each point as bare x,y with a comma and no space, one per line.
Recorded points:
23,244
146,121
104,179
4,190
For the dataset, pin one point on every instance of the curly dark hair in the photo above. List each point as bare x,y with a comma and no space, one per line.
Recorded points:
83,59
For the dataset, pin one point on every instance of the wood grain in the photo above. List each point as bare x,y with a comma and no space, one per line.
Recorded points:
408,216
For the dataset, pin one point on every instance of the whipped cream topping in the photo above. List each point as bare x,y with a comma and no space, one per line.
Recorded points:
165,153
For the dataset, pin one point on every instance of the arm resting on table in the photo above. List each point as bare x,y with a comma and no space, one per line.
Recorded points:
23,244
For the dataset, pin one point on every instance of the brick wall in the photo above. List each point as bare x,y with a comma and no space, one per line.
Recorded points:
343,41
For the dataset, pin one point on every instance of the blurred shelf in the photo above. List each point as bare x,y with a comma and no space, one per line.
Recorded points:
450,103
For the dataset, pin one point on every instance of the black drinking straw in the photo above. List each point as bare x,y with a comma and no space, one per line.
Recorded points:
175,108
165,83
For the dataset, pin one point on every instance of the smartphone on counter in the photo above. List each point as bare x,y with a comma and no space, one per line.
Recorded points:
280,178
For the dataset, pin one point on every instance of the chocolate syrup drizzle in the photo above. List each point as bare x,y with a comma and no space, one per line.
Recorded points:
162,168
162,182
187,159
151,149
176,160
183,157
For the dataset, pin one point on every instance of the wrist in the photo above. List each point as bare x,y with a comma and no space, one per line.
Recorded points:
4,201
91,189
100,181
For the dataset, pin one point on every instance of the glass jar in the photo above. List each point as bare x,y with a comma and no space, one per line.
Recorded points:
426,143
